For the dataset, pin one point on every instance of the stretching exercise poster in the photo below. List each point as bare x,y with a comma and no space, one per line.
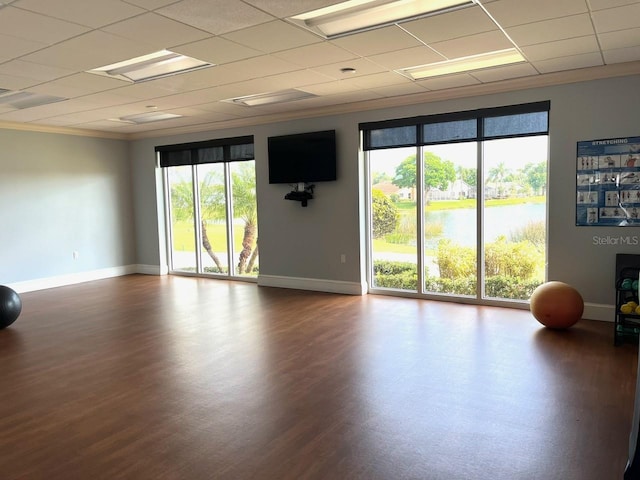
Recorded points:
608,182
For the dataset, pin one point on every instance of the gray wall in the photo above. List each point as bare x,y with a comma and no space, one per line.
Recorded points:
65,193
307,242
60,194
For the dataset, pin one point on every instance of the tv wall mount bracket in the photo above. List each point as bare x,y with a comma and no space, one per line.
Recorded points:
301,193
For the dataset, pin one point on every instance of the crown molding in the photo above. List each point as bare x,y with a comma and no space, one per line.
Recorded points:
503,86
33,127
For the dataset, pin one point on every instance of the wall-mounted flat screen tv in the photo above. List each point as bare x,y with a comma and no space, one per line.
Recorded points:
304,157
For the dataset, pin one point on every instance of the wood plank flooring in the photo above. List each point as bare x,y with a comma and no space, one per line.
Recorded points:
145,377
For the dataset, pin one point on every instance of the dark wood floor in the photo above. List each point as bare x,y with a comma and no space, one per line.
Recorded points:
145,377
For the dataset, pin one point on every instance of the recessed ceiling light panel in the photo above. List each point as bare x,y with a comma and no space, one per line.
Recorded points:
360,15
22,100
465,64
146,117
271,97
163,63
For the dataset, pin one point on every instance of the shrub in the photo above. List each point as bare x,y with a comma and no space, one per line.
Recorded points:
403,281
384,213
534,232
388,267
511,259
501,286
457,286
455,261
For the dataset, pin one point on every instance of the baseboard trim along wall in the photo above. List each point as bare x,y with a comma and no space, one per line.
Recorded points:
592,311
80,277
318,285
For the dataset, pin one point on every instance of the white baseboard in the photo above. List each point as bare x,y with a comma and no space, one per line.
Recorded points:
318,285
598,311
152,269
71,278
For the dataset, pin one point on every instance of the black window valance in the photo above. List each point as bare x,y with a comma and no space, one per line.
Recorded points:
474,125
209,151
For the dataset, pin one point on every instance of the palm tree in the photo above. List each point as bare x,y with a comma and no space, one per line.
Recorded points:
243,183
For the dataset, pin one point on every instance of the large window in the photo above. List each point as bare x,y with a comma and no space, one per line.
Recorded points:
457,203
211,207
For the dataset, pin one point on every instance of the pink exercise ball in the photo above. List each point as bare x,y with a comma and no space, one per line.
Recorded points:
556,305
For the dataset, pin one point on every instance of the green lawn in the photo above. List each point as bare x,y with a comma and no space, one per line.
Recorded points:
183,236
470,203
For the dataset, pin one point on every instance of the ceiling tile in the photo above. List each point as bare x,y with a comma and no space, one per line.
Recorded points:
33,71
361,66
504,73
78,85
569,63
383,79
10,82
460,23
91,50
315,55
516,12
399,89
332,88
217,50
35,27
230,15
473,44
251,68
151,4
620,55
620,18
92,13
273,37
602,4
288,8
12,47
411,57
620,39
550,30
449,81
382,40
156,30
561,48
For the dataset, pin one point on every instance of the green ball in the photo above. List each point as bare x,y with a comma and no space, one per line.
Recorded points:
627,284
634,285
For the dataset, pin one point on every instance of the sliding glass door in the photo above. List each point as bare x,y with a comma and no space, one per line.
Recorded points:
462,210
211,207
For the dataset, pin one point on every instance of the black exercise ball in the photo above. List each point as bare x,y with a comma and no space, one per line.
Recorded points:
10,306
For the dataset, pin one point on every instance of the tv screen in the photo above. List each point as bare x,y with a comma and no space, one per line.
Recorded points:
303,157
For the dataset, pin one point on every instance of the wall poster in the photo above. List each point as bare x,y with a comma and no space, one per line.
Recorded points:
608,182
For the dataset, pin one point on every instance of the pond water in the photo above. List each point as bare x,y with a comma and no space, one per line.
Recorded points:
460,224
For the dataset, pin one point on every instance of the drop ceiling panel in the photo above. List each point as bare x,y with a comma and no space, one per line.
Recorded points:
289,8
332,88
386,39
230,15
33,71
273,37
602,4
35,27
156,30
400,89
460,23
569,63
252,68
549,30
78,85
315,55
381,80
10,82
473,44
620,39
620,18
561,48
91,50
12,47
151,4
504,73
407,58
620,55
361,65
92,13
509,13
217,50
442,83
